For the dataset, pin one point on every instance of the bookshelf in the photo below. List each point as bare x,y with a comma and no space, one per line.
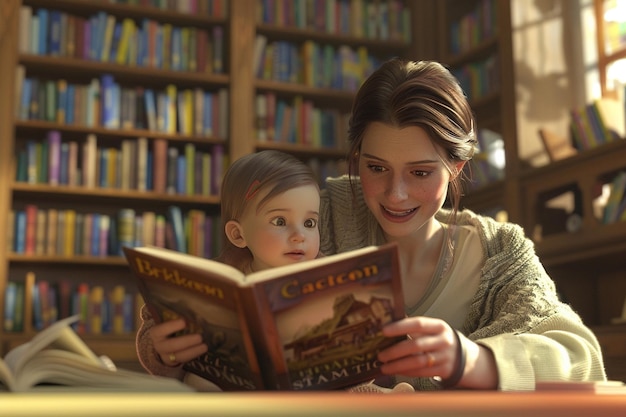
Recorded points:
559,205
476,44
27,134
120,163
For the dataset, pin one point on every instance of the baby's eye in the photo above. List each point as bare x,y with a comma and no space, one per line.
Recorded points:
310,223
376,168
278,221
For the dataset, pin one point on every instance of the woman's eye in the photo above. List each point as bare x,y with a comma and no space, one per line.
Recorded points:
278,221
420,173
310,223
376,168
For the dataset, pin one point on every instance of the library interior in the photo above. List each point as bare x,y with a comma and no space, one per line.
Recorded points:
118,119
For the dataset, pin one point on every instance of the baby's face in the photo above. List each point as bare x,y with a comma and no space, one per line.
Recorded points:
284,229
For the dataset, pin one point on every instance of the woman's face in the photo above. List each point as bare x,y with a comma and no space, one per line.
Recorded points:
403,177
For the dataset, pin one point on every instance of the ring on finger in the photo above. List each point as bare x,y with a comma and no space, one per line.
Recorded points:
172,357
431,359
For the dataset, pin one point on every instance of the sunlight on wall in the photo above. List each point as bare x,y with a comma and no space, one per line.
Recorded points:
555,54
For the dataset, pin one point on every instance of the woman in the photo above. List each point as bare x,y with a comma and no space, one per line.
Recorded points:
481,311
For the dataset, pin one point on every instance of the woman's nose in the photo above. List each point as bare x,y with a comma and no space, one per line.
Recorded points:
397,189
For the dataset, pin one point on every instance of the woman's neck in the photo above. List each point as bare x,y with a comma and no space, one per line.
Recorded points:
419,255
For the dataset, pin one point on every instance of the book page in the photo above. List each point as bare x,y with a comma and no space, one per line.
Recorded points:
59,334
60,367
7,382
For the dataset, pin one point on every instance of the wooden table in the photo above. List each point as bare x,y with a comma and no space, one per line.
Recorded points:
441,404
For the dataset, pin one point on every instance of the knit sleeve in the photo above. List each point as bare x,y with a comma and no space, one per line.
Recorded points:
518,315
148,357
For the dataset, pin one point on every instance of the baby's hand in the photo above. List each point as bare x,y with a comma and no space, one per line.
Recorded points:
175,350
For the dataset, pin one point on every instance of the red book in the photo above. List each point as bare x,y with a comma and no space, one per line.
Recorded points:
159,165
30,242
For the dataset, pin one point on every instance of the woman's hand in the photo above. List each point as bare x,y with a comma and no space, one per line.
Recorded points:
434,349
175,350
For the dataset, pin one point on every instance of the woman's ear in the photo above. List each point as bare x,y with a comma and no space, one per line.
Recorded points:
235,234
458,167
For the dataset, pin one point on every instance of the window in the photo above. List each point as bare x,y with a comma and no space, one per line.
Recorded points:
611,24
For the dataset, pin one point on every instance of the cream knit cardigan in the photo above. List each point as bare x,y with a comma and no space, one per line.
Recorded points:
516,311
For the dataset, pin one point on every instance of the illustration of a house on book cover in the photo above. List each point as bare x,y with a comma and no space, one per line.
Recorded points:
327,342
354,325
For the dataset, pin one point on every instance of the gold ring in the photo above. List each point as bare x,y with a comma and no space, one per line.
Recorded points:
431,359
172,357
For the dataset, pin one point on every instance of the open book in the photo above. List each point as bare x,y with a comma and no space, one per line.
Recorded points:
307,326
58,359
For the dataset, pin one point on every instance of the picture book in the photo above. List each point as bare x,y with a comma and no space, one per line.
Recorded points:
313,325
56,358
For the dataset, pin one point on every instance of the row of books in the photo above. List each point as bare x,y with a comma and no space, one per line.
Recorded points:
599,122
215,8
101,310
312,64
299,121
34,230
371,19
615,207
104,38
105,103
134,164
475,27
479,79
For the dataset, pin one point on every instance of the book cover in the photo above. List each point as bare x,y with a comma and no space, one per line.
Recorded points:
315,325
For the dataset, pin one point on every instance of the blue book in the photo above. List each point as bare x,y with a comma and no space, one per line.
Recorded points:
38,321
103,156
107,86
43,16
150,106
150,171
175,218
70,104
64,164
115,42
95,235
181,174
10,296
55,30
25,99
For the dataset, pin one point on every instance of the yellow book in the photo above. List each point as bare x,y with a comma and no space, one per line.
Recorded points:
96,301
61,92
128,27
108,38
170,109
70,232
117,306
